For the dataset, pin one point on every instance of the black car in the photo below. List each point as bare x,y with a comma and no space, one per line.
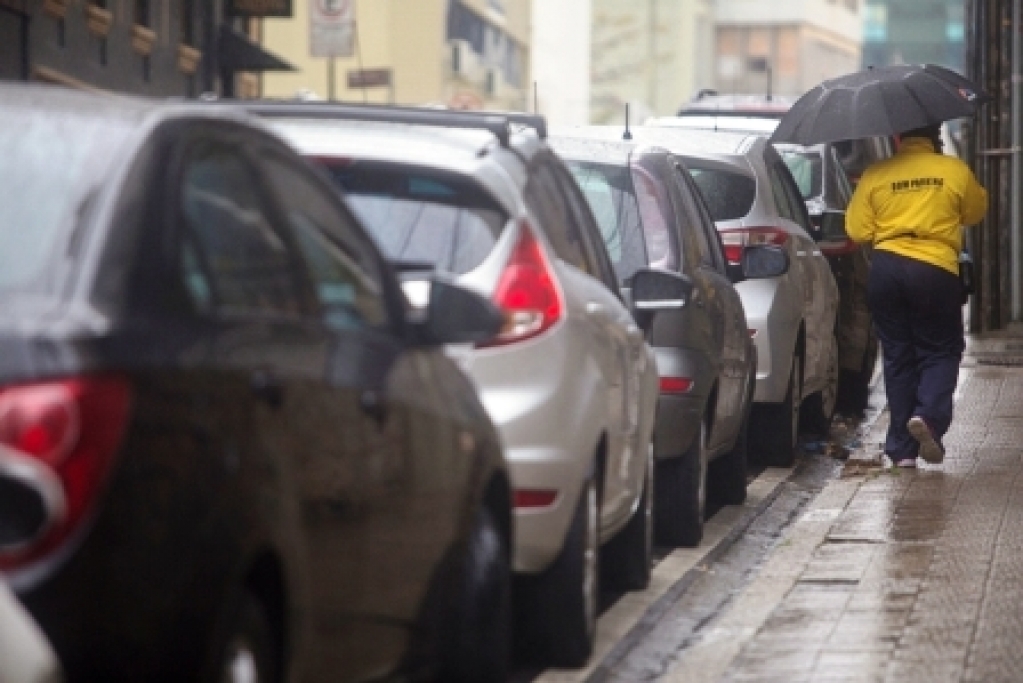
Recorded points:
228,445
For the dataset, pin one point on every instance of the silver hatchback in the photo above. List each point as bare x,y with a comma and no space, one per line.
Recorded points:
570,383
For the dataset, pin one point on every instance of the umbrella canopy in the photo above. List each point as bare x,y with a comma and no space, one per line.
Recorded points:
878,102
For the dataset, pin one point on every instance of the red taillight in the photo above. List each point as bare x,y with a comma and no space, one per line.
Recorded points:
71,428
535,498
676,385
526,292
734,241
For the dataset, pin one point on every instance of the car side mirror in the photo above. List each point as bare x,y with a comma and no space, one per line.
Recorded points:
762,261
653,290
832,226
454,315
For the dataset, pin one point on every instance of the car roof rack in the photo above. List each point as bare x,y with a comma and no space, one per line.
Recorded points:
494,122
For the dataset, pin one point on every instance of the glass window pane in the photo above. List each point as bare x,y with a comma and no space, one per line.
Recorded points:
608,191
728,195
422,215
249,262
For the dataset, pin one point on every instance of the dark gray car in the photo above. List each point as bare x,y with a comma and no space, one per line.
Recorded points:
651,215
827,189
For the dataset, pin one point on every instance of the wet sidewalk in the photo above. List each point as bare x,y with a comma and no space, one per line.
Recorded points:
896,575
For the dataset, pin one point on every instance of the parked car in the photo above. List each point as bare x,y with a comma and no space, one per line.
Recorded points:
753,200
651,214
826,187
25,653
570,382
251,458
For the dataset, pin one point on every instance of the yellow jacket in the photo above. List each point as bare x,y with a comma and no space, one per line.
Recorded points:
916,204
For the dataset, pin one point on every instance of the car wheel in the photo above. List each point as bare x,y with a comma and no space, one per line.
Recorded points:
478,648
728,473
774,427
627,559
559,623
249,655
680,494
819,407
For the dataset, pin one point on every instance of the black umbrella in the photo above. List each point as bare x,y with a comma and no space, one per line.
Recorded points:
877,102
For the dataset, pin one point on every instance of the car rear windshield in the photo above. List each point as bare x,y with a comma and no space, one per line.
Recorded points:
610,192
46,166
729,194
807,170
421,215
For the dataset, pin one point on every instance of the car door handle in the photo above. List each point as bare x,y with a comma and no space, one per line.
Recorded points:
267,387
372,404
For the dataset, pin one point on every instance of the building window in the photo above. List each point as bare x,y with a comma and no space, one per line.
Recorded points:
186,24
142,17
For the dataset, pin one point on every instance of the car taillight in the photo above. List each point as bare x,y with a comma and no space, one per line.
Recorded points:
535,498
838,248
526,292
734,241
676,385
69,432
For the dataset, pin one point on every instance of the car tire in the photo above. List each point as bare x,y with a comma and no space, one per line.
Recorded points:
728,473
680,494
478,646
819,408
558,620
249,654
774,427
627,559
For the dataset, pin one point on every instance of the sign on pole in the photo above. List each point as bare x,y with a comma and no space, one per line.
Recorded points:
332,28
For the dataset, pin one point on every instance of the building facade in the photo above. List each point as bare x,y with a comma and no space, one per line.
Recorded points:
470,54
561,49
915,32
158,48
785,47
651,54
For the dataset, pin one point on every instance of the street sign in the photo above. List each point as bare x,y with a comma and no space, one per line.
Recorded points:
369,78
332,28
260,8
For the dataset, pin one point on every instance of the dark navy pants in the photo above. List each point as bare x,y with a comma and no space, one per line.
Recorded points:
917,311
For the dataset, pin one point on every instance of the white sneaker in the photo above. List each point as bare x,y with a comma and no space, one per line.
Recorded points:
930,450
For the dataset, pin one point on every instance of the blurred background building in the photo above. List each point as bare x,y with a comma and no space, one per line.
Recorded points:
785,46
148,47
915,32
652,54
471,54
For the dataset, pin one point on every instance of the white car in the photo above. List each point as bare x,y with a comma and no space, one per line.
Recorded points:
792,318
571,384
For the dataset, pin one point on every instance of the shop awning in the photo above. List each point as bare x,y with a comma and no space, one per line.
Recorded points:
238,53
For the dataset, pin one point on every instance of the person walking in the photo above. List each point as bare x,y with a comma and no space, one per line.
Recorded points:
912,209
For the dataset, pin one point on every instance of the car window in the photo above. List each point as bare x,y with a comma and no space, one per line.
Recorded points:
781,197
729,194
593,245
421,214
792,196
545,201
704,222
48,168
808,172
657,212
345,273
608,191
233,259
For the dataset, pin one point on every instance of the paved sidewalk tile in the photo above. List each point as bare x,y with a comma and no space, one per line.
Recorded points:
918,576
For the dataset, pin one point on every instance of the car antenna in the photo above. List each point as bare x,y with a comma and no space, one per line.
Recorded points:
627,135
